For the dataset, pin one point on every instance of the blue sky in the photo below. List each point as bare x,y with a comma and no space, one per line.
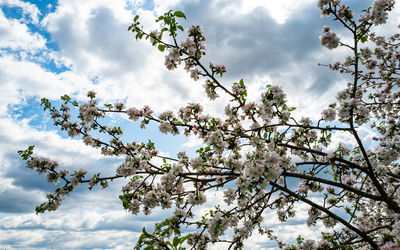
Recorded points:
51,48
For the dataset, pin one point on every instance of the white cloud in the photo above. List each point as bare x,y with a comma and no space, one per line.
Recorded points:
90,219
162,6
23,79
280,11
16,35
193,141
93,34
17,135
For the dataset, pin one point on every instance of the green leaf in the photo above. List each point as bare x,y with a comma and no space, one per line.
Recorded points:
150,145
167,19
160,18
176,241
136,18
185,237
364,39
300,239
139,35
145,232
65,98
161,47
142,237
180,27
179,14
26,153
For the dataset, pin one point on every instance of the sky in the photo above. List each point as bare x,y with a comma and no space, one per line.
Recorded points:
51,48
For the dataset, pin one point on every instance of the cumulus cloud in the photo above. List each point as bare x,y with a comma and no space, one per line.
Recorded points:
90,219
24,79
16,35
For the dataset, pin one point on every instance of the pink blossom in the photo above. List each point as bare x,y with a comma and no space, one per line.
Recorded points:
329,40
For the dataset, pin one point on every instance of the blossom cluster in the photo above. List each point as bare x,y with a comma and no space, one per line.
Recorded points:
329,40
379,11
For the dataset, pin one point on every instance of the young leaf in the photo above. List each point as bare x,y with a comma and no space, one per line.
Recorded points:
364,39
179,14
176,241
161,47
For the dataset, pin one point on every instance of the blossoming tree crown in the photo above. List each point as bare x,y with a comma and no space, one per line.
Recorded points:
257,154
